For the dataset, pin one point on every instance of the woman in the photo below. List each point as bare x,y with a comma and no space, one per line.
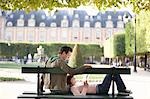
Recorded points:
103,88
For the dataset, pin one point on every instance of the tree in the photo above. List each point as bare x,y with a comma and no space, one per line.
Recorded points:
129,39
76,58
119,44
29,5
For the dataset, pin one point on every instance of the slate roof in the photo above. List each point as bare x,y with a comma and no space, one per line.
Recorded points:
61,13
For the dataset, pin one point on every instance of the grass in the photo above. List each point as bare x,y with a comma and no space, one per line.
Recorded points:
91,77
12,65
10,79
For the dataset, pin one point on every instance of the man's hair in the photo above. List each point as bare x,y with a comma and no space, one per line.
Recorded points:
65,49
69,77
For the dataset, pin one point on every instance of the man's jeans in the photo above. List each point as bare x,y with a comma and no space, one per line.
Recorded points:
104,87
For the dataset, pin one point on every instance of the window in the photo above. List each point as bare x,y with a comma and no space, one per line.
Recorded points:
87,34
31,22
42,24
75,23
120,24
108,33
9,23
119,17
109,17
98,17
20,22
42,36
53,24
54,17
86,17
64,22
30,37
32,16
109,24
76,16
98,35
43,17
98,25
20,36
86,24
11,16
21,16
64,35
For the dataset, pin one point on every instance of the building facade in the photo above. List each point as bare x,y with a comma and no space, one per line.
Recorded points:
73,26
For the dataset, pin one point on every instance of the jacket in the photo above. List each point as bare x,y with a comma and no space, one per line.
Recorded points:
59,81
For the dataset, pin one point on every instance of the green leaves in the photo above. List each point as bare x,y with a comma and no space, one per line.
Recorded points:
30,5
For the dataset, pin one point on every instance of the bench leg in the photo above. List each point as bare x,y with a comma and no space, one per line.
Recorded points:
113,86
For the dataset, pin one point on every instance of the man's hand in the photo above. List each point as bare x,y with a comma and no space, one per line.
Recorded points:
87,66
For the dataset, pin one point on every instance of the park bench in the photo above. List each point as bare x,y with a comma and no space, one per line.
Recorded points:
41,95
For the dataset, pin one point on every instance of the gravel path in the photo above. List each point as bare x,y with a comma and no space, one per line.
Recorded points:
138,82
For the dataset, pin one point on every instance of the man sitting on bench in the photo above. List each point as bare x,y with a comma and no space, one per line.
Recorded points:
59,81
98,89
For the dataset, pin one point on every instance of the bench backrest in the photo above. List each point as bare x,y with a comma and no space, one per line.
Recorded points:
87,71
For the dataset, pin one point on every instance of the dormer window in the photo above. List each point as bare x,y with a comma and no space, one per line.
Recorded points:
98,17
86,24
75,23
86,17
53,24
65,17
9,24
109,17
11,16
21,16
43,17
20,22
32,16
42,24
76,16
54,17
31,22
119,17
64,22
98,25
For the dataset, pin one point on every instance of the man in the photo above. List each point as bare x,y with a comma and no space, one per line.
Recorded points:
59,81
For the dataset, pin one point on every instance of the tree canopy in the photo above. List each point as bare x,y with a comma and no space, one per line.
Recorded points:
30,5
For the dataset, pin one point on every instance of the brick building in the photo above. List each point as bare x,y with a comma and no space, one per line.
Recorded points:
63,26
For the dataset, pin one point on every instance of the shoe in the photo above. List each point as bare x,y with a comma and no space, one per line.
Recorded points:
125,92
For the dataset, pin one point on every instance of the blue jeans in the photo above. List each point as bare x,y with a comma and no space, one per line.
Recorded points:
104,87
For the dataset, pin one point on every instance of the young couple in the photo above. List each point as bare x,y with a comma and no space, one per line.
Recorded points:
59,81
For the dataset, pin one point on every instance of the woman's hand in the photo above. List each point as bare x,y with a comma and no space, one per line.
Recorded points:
86,84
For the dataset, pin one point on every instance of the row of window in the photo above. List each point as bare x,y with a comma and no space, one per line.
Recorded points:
64,23
76,16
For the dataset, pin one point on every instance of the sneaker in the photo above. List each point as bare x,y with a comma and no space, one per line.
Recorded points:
125,92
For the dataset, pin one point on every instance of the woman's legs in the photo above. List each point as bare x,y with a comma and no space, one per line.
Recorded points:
104,87
119,82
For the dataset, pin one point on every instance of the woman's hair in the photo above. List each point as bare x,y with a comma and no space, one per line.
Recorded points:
69,77
65,49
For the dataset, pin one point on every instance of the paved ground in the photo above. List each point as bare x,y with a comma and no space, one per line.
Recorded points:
138,82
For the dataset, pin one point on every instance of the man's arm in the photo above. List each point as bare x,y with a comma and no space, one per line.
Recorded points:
70,70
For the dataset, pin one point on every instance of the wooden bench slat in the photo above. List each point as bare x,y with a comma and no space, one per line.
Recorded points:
73,97
87,71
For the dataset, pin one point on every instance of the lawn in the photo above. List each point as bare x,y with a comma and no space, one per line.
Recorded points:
13,65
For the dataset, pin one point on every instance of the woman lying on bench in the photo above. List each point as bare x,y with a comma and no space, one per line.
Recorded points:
103,88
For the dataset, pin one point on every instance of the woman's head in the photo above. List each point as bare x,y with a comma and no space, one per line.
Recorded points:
71,80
